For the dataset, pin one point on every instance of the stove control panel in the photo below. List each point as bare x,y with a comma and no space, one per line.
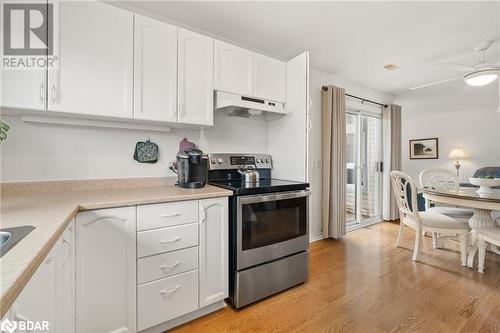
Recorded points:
239,161
242,160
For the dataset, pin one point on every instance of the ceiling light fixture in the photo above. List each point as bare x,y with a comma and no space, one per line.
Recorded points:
481,77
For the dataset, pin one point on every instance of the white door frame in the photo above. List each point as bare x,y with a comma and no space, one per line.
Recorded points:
359,111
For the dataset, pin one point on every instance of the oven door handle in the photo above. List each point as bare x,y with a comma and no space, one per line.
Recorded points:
273,197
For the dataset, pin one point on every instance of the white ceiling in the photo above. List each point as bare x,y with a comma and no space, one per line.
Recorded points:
351,39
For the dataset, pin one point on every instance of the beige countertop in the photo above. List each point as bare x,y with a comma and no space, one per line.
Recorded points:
51,212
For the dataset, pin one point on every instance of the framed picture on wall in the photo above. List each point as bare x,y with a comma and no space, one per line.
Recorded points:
424,149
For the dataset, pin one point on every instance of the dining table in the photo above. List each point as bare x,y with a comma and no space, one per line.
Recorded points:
482,203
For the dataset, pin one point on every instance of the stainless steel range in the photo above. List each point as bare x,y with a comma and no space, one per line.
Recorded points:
268,226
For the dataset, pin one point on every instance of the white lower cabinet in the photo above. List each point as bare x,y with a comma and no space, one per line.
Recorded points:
166,215
40,300
187,273
167,264
106,270
68,271
213,250
166,299
155,241
48,297
106,275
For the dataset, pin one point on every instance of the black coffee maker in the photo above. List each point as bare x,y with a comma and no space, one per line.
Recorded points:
191,168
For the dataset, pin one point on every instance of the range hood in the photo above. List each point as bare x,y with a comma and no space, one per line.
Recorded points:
242,106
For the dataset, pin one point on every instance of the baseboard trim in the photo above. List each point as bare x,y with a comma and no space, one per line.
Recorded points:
316,237
360,226
185,318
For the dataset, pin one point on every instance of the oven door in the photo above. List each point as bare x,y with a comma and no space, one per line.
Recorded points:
271,226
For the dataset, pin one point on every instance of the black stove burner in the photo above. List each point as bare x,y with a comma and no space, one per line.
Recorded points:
263,186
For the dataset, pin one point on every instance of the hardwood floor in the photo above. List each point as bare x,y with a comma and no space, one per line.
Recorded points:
363,283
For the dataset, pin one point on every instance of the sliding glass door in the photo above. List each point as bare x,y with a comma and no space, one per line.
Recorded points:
363,156
351,163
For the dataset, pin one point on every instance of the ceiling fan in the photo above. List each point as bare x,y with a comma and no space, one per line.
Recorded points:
477,75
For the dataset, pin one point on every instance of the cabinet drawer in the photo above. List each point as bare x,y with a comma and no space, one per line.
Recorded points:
166,215
166,239
167,264
166,299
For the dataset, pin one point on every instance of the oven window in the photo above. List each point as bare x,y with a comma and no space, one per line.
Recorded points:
267,223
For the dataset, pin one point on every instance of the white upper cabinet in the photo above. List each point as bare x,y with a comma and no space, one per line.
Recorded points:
95,55
195,78
269,78
248,73
213,250
106,270
173,74
155,70
22,88
111,62
233,69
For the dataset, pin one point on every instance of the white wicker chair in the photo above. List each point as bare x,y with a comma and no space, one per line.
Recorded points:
423,221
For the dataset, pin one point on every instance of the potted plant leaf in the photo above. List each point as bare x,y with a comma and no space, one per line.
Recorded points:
4,128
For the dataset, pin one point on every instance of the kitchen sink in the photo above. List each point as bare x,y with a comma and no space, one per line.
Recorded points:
9,237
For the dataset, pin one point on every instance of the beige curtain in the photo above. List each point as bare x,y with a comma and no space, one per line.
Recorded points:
391,133
334,168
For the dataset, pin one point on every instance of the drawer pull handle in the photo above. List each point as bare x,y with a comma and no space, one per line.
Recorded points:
170,267
166,216
176,239
170,292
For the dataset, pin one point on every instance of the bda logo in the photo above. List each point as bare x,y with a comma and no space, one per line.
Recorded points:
8,326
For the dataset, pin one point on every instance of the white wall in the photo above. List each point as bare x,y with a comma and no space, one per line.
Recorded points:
55,152
317,80
459,118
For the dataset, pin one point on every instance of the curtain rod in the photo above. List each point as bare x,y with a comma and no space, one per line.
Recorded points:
325,88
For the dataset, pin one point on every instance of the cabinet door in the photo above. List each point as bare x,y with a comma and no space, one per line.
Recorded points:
213,250
40,300
95,52
105,270
233,69
155,70
269,78
22,88
195,79
68,278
